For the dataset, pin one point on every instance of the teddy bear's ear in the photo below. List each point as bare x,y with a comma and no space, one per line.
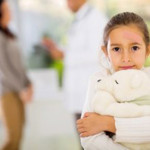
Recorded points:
136,81
105,84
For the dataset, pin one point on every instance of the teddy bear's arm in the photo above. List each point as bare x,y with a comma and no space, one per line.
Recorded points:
127,110
101,101
105,104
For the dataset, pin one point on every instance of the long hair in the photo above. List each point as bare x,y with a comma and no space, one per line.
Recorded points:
6,30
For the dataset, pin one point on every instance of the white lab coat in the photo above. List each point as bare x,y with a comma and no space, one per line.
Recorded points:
81,57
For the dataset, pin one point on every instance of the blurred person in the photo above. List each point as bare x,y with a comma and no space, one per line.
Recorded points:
80,56
16,87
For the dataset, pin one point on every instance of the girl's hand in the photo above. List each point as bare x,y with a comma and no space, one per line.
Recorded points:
93,123
90,124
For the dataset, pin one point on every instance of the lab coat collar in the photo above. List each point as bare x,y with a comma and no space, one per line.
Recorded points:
85,8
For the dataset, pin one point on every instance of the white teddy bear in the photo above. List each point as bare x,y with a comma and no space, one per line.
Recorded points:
126,93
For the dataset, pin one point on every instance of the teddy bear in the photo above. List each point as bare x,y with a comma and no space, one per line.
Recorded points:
124,94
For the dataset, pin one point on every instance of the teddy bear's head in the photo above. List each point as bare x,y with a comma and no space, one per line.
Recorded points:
126,85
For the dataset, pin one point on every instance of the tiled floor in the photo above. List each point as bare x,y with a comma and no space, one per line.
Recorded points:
48,127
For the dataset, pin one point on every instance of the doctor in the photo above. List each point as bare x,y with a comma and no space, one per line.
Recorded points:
80,56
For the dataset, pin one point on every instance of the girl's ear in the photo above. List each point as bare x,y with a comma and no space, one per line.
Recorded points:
104,49
148,51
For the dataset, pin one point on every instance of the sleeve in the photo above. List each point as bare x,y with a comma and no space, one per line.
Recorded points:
99,141
133,130
16,63
23,72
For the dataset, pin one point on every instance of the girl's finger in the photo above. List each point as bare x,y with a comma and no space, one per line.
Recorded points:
81,130
79,126
79,121
87,114
84,134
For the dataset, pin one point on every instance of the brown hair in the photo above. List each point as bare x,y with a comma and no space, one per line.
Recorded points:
126,18
6,31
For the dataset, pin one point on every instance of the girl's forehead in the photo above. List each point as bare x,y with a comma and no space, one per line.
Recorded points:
129,33
132,36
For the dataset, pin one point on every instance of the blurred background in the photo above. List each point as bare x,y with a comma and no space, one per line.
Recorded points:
49,125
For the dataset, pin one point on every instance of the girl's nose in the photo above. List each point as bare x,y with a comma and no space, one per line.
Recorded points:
126,57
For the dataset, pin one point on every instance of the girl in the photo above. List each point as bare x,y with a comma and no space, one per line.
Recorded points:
16,87
126,46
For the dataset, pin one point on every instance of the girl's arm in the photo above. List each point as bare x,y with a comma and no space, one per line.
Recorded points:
133,130
93,123
100,142
128,130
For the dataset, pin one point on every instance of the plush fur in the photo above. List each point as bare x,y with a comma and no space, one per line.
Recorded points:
126,93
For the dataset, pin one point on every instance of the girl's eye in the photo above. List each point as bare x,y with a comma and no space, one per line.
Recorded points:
135,48
116,49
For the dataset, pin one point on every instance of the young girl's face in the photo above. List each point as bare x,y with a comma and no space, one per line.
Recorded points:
126,48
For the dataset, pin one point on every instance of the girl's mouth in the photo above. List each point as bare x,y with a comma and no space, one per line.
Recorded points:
127,67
